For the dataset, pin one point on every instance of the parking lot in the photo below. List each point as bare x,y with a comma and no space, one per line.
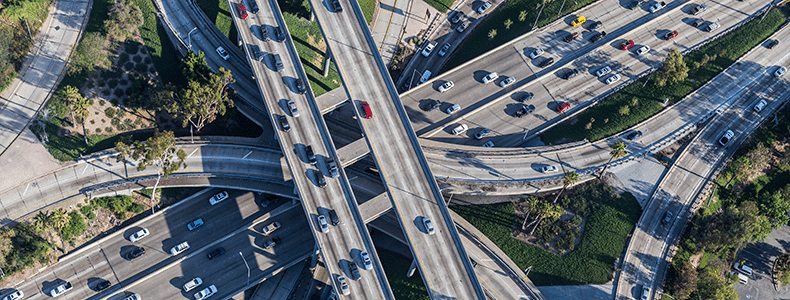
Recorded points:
761,256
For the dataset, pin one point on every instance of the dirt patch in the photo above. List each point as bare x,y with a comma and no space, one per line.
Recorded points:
695,259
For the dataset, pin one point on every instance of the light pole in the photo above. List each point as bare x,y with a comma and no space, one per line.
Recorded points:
660,293
189,36
248,269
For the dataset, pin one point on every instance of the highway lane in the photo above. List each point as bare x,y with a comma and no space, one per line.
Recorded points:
490,106
441,258
646,256
343,243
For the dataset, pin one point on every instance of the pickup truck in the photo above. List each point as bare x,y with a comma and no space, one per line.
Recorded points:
61,289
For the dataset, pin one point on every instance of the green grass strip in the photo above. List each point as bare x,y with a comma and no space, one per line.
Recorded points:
305,35
219,13
649,98
164,56
396,266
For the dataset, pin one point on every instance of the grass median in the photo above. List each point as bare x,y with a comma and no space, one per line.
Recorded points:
396,267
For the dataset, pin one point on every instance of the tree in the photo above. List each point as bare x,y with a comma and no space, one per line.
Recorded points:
522,15
775,207
532,203
491,34
686,281
194,67
742,165
508,22
570,178
199,103
124,18
70,96
546,210
59,218
624,110
158,150
91,53
41,220
80,108
618,151
674,69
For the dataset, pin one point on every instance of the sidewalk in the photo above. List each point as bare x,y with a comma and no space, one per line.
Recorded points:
398,21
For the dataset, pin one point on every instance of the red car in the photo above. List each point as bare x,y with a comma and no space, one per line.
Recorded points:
366,110
670,35
242,10
627,45
563,107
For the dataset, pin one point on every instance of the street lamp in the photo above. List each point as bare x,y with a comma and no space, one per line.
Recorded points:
189,36
660,293
248,269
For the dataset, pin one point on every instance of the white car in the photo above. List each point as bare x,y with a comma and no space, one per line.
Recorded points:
453,109
483,7
444,49
642,50
536,53
713,26
655,7
482,133
760,105
426,222
781,71
322,223
343,285
460,129
61,289
218,197
428,49
293,109
195,282
490,77
446,86
179,248
726,137
488,144
271,228
645,292
224,54
367,264
549,169
603,71
139,235
612,79
507,81
205,293
14,296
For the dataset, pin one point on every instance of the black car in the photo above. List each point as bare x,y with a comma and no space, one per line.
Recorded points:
336,6
597,36
634,134
279,33
319,178
526,96
253,6
217,252
137,252
300,86
522,111
354,270
264,33
594,25
308,151
772,44
570,74
667,218
103,285
546,62
333,217
433,105
698,22
457,17
284,123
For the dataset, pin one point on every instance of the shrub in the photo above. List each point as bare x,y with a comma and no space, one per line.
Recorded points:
119,92
141,68
112,83
109,112
128,66
75,227
147,60
106,92
137,59
123,82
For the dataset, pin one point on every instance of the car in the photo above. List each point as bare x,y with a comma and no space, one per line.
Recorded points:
546,62
195,224
536,53
426,222
634,135
139,235
264,33
670,35
570,74
217,252
781,71
549,169
460,129
300,86
597,36
271,243
278,32
61,289
433,105
179,248
490,77
457,16
771,44
636,3
271,228
603,71
367,264
698,9
319,179
331,165
336,6
645,292
713,26
488,144
563,107
353,270
277,62
483,7
284,125
726,137
524,110
571,36
135,253
343,285
428,49
205,293
526,96
104,284
612,79
578,21
218,197
446,86
133,296
333,217
267,202
667,218
594,25
627,45
760,105
698,22
195,282
507,81
16,295
293,109
482,133
365,108
253,6
242,10
462,27
655,7
425,76
445,48
322,223
453,109
222,53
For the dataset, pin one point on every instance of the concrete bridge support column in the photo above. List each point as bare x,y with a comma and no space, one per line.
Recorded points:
314,260
327,59
412,268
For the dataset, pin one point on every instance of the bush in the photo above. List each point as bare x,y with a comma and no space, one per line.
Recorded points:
109,112
119,92
137,59
137,208
112,83
141,68
128,66
123,58
75,227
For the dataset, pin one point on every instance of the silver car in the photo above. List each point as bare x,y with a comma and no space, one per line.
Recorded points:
641,51
426,222
446,86
612,79
781,71
453,109
536,53
293,109
322,223
490,77
507,81
139,235
603,71
367,264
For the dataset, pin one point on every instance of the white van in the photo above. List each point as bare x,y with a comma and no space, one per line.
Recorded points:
743,269
425,76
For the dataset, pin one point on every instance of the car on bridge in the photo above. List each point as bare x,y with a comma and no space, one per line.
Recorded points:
760,105
772,43
433,104
462,27
308,152
343,285
139,235
179,248
636,3
218,197
603,71
645,292
698,9
135,253
507,81
536,53
61,289
353,270
627,45
726,137
205,293
426,222
670,35
483,7
570,74
367,264
242,10
460,129
563,107
446,86
597,36
549,169
571,36
780,72
524,110
322,223
271,228
578,21
490,77
223,53
253,6
336,6
457,16
612,79
104,284
320,179
428,49
195,282
195,224
217,252
713,26
526,96
667,218
331,165
453,109
264,33
634,135
284,125
366,112
546,62
482,133
16,295
594,25
293,109
445,48
488,144
271,243
655,7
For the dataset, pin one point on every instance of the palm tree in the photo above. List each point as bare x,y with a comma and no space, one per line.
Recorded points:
41,220
70,94
569,179
81,106
618,151
532,202
547,211
59,218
